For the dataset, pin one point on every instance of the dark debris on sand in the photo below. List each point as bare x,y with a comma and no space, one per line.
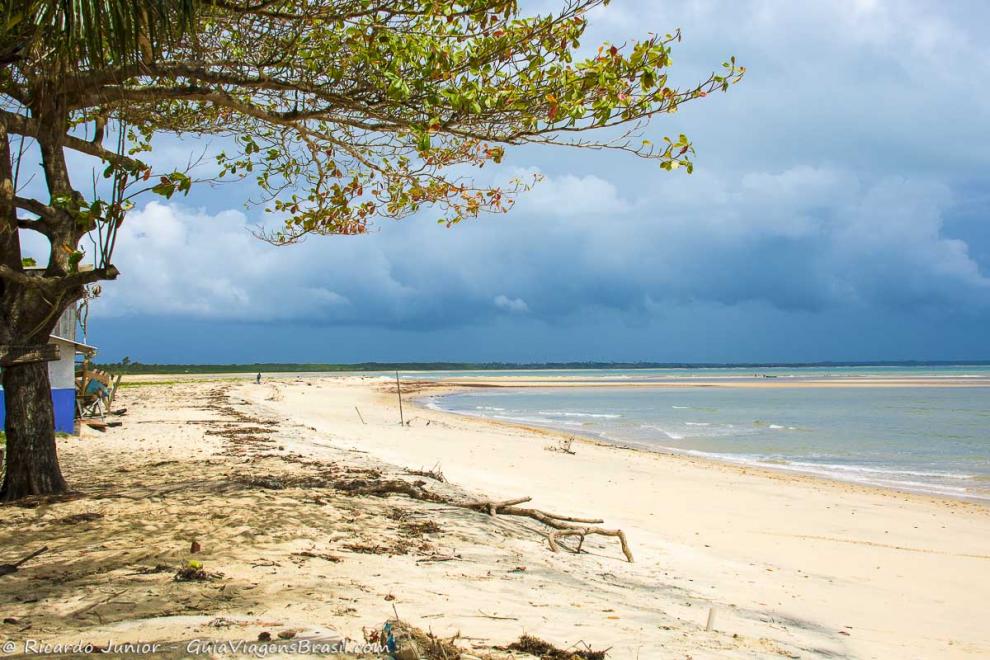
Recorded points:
546,651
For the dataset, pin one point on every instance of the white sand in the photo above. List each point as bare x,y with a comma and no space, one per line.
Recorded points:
795,566
863,571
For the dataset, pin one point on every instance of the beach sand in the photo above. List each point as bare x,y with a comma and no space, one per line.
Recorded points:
793,566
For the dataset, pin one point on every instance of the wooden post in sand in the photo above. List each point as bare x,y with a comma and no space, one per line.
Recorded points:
360,416
398,391
711,619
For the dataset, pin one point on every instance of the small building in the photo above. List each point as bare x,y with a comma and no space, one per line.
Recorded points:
62,372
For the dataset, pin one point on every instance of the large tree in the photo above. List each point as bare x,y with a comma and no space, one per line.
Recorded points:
342,111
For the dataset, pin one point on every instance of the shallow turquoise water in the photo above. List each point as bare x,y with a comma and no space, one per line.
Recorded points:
655,374
927,439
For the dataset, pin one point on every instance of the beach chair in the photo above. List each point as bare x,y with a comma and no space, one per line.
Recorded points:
94,393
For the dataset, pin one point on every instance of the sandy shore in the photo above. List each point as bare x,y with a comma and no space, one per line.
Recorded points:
843,567
258,476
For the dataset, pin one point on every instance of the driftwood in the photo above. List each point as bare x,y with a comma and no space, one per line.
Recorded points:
436,473
561,526
7,569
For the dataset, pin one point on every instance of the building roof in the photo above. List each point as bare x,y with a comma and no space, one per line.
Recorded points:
85,349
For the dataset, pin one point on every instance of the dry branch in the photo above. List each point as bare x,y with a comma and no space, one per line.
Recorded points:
413,490
436,474
561,526
7,569
491,508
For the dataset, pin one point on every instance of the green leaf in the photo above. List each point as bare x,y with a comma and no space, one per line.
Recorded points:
423,142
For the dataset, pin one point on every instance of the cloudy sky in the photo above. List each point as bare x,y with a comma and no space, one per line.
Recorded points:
840,210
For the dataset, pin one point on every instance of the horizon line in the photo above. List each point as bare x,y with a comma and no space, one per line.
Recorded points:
446,365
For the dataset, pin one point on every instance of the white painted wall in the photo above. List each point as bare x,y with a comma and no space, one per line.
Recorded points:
61,372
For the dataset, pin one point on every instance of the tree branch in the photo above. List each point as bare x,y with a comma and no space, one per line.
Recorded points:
36,207
21,278
39,226
112,157
28,127
58,282
88,277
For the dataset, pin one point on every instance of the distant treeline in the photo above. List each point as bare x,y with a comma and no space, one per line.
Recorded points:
126,366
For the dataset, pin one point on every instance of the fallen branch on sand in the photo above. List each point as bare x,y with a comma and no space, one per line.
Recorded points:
546,651
561,526
7,569
436,473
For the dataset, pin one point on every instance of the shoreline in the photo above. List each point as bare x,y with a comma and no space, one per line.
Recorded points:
420,389
768,471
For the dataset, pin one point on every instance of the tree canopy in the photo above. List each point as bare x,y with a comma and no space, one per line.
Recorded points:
341,111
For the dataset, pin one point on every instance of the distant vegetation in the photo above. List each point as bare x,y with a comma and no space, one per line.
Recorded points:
126,366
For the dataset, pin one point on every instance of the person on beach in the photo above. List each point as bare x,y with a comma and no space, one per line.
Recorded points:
257,379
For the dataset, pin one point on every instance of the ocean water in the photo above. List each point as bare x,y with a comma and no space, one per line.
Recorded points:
977,371
927,439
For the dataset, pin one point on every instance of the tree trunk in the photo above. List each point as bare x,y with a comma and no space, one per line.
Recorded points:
27,315
32,462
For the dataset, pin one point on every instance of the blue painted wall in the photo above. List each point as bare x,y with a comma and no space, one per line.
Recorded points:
65,410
